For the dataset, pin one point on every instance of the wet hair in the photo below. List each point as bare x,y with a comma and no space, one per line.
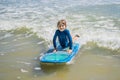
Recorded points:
61,22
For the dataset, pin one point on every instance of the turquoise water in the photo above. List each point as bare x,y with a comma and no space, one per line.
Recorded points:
27,28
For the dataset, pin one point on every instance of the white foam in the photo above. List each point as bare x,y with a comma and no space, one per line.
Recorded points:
23,70
40,42
18,77
10,25
6,36
37,68
70,62
24,62
2,54
102,38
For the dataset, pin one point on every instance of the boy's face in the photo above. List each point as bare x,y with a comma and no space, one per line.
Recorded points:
61,27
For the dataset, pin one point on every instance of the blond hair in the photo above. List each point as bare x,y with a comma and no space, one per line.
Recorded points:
61,22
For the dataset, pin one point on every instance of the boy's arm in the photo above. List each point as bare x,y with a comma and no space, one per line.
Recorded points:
54,40
70,39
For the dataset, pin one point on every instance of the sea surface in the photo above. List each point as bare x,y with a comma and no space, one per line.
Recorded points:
27,28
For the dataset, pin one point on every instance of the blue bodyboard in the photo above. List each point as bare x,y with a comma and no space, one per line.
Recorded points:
61,56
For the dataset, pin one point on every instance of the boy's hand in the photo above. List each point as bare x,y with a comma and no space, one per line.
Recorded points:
69,51
54,50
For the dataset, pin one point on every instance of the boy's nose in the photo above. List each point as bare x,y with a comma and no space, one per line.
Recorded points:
60,26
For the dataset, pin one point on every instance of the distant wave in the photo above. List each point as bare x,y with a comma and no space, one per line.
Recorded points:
77,2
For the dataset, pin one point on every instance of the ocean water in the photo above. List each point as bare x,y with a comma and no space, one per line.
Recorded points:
27,28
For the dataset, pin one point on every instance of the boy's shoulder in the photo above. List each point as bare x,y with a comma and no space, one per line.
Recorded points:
66,30
57,30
